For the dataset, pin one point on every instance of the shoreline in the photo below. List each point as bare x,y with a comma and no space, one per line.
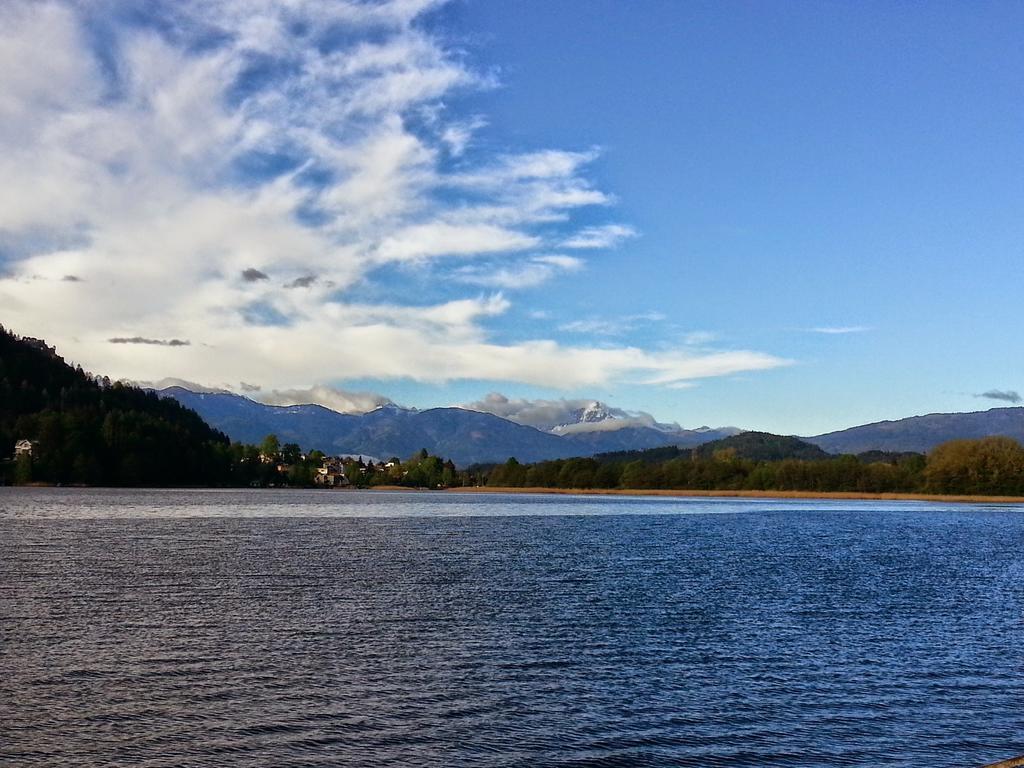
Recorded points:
492,490
698,494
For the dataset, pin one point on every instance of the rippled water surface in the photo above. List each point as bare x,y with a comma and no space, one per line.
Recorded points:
263,628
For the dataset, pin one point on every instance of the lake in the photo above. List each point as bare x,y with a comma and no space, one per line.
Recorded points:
305,628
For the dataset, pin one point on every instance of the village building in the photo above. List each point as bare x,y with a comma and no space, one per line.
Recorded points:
24,448
331,474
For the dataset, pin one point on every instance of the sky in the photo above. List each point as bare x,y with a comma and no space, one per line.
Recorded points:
781,216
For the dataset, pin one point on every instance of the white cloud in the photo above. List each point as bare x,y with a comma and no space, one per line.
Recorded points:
551,164
340,400
606,236
595,326
531,188
334,398
673,368
527,274
191,386
158,171
444,239
457,136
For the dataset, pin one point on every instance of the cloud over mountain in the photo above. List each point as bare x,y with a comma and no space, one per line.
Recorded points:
564,415
339,400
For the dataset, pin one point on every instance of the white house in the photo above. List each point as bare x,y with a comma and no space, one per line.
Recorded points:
24,448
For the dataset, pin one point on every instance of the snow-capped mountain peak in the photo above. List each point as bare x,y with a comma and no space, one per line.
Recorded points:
596,411
392,408
596,416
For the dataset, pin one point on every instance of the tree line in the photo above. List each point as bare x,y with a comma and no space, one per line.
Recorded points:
991,466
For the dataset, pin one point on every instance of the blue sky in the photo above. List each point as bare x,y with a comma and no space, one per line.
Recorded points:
797,217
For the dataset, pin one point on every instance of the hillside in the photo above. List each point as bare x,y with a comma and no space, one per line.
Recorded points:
762,446
754,446
923,433
311,426
85,431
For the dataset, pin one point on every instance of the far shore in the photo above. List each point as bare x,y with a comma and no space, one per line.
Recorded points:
962,499
668,492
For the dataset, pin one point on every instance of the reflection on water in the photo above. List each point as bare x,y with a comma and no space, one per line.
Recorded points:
169,628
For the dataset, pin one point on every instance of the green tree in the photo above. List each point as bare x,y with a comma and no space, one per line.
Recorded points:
991,465
291,453
636,474
270,446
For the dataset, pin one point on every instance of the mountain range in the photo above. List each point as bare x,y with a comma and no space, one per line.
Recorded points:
472,437
465,436
922,433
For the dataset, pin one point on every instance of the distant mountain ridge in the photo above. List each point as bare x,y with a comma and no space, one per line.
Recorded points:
478,437
466,436
922,433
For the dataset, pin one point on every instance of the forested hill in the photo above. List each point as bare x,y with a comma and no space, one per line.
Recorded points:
94,432
755,446
762,446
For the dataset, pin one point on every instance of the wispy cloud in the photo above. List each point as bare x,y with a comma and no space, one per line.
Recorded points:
617,326
1006,395
458,136
527,274
606,236
595,327
840,329
162,157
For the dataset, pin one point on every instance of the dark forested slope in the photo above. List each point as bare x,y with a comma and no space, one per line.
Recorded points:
90,431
